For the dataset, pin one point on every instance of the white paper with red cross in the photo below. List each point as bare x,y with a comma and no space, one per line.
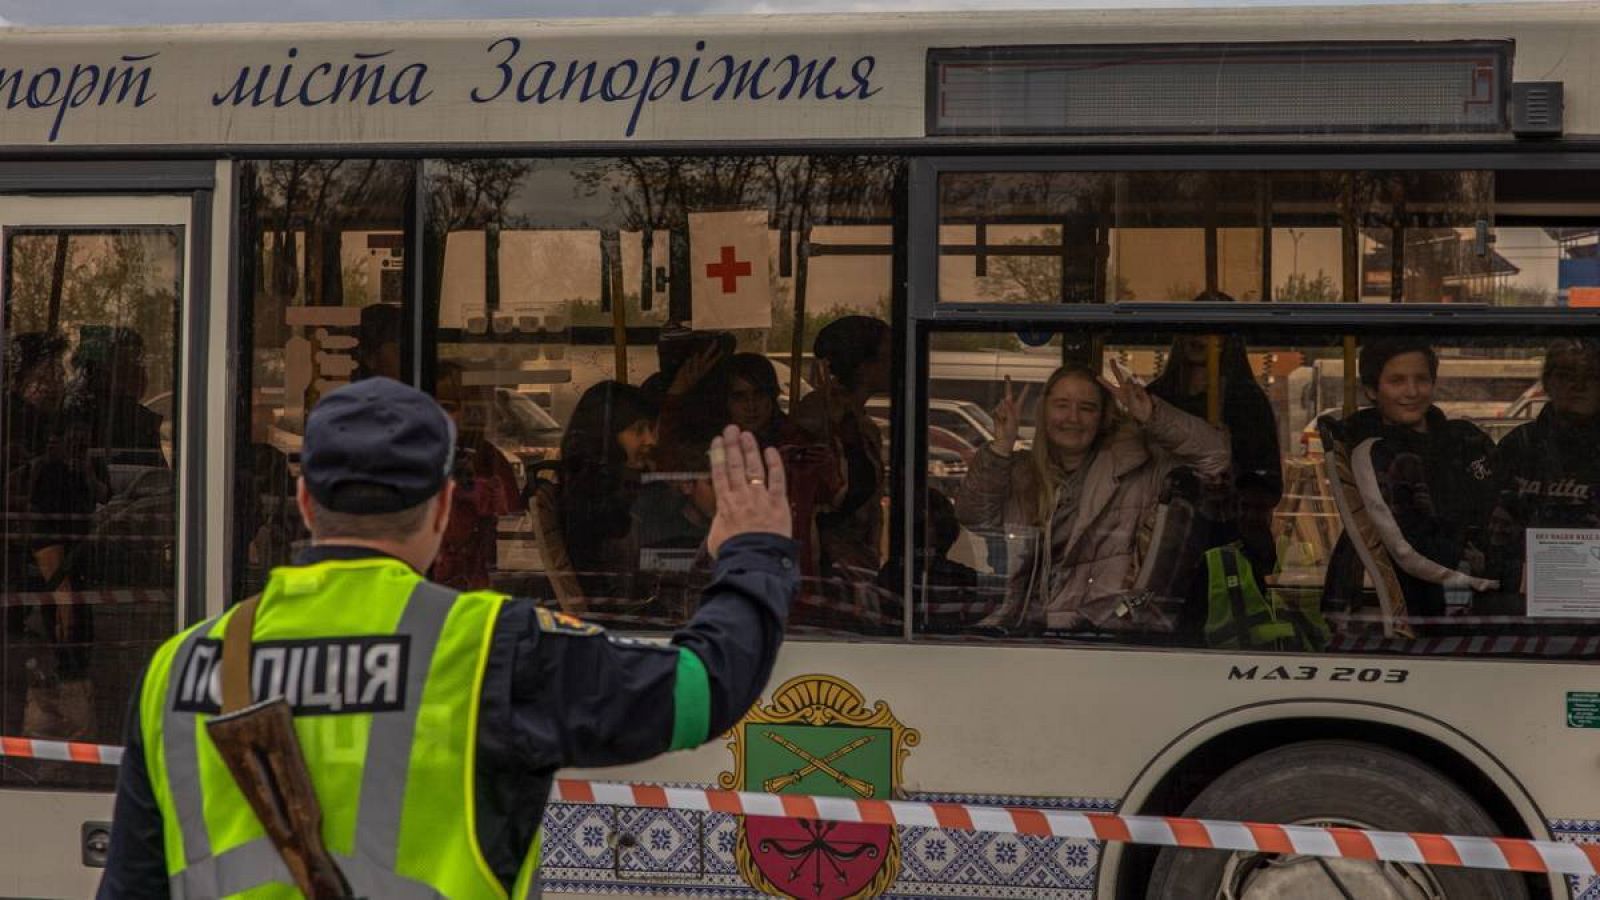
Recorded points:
730,262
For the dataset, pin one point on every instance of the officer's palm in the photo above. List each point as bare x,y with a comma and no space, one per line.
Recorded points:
752,496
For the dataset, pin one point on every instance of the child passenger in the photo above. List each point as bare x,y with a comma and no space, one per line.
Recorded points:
1432,472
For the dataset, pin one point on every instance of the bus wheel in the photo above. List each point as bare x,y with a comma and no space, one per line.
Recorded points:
1338,783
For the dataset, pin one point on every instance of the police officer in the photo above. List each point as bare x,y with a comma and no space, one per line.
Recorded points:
402,688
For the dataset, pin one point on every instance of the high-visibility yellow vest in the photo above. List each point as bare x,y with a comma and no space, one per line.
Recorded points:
1240,617
384,672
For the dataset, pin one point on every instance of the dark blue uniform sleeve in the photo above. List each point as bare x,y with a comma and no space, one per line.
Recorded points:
137,865
579,696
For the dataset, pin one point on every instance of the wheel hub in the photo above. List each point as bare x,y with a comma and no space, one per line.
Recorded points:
1264,876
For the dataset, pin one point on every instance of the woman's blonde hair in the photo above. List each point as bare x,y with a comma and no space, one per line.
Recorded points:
1046,468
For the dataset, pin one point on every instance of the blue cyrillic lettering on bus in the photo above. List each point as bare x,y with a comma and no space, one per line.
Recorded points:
353,81
663,77
83,85
654,89
861,71
542,92
360,83
806,76
409,92
588,92
241,93
741,78
512,45
609,90
694,70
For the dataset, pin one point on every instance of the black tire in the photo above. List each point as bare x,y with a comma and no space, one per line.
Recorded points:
1342,781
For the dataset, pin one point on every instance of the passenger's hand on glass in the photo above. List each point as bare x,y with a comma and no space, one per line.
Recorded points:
1008,419
1130,394
751,493
694,370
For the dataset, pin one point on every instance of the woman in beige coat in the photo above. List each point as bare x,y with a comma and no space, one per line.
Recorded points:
1085,490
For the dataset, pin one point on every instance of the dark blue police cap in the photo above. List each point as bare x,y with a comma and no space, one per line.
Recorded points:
376,446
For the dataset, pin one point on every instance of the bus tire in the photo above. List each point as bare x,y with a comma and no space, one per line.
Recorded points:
1343,781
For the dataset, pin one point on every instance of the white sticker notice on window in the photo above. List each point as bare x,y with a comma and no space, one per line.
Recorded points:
1564,572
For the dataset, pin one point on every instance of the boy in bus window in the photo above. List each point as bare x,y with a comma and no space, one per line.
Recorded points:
1088,485
1547,470
674,511
1430,472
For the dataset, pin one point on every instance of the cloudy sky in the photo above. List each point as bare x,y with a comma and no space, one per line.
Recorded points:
148,12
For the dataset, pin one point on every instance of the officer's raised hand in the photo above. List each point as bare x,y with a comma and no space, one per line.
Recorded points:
751,493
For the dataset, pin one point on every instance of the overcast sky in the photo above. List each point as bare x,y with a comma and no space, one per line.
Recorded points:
151,12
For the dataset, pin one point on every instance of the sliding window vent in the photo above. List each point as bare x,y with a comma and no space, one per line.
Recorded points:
1324,88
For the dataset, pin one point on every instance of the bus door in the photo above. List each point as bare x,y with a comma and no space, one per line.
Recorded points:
94,297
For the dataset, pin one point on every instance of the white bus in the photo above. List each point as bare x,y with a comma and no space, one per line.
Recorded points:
204,229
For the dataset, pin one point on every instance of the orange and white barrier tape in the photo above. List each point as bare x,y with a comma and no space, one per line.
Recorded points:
1518,854
1514,854
60,751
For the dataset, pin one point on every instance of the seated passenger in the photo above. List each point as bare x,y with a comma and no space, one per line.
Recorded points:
672,518
1087,487
1548,470
750,386
586,521
855,361
674,511
1426,474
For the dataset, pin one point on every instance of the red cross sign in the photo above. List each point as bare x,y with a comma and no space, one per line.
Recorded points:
730,269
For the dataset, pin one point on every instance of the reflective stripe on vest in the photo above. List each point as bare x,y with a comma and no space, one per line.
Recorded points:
394,783
1238,616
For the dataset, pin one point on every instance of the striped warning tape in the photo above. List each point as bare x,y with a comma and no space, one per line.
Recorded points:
1516,854
62,751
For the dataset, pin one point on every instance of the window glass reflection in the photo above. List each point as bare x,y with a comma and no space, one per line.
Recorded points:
87,481
324,284
613,315
1250,509
1287,237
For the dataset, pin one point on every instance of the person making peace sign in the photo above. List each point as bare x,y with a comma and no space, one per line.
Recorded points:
1086,486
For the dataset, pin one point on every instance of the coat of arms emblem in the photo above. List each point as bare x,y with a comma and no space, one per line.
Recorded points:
818,736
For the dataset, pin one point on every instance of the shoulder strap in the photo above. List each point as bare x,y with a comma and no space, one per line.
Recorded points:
236,693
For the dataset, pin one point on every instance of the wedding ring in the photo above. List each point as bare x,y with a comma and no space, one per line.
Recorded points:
757,480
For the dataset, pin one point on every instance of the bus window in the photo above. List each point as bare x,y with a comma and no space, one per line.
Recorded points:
596,321
324,281
87,482
1396,528
1287,237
